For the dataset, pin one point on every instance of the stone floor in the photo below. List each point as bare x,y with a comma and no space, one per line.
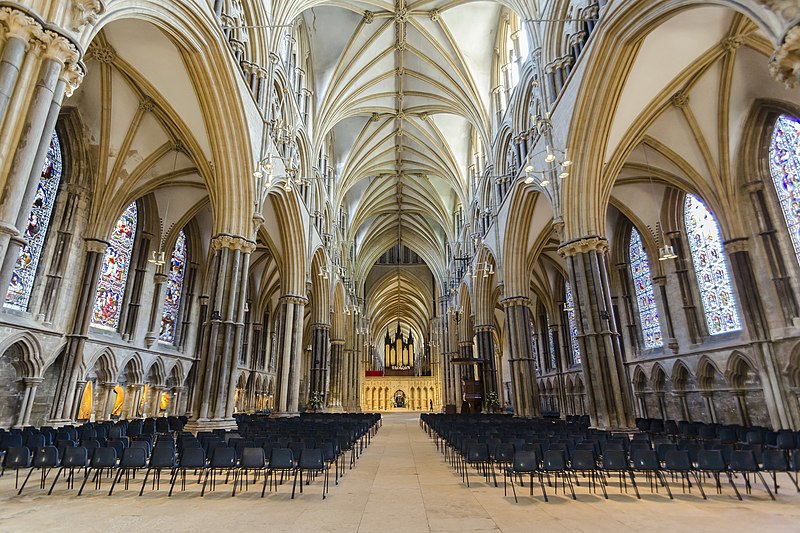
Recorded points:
400,484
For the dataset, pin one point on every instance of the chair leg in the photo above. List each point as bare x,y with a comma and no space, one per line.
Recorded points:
85,479
172,481
544,491
730,479
763,482
146,475
266,479
30,471
513,488
116,479
205,480
633,482
699,485
294,484
55,481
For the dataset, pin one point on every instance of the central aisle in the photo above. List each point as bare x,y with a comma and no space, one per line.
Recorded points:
400,484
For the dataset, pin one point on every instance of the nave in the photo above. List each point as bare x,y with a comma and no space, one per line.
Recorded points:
401,483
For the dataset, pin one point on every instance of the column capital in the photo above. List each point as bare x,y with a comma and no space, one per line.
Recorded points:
338,342
31,382
788,9
735,246
86,12
514,301
661,281
485,328
593,243
293,299
233,242
785,62
159,277
753,186
96,245
322,326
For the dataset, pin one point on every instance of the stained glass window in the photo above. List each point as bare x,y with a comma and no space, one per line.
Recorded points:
573,324
713,278
645,297
552,344
172,297
784,164
114,271
24,273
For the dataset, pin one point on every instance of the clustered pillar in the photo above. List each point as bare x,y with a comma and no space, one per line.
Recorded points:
521,357
290,330
607,385
222,335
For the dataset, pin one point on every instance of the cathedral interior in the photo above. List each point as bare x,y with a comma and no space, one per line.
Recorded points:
239,215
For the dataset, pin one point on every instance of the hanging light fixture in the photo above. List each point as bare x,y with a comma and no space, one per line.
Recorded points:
665,252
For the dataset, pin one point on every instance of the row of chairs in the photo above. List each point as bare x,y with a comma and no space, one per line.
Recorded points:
224,461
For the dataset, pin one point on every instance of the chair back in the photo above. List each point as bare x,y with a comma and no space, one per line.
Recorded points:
615,461
75,457
504,452
554,460
133,458
711,460
223,457
311,460
678,461
18,457
162,457
478,453
45,457
645,460
743,461
193,458
253,458
583,460
775,460
525,462
281,459
104,458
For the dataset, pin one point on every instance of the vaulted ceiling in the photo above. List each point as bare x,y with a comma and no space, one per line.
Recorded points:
397,88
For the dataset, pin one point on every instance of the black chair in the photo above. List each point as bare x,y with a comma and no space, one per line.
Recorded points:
133,459
647,462
311,462
253,460
478,455
102,459
711,462
679,462
555,463
616,462
74,459
224,460
44,459
330,457
775,461
17,457
523,463
280,460
584,462
744,462
190,459
162,458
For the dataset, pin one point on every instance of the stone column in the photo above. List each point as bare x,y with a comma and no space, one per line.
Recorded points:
669,338
61,412
290,331
156,309
107,403
485,339
76,402
31,386
129,315
221,341
26,134
755,318
521,357
337,371
175,402
320,341
607,385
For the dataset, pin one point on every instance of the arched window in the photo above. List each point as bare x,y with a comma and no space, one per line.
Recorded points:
573,324
645,297
172,297
713,278
551,343
784,165
114,271
24,273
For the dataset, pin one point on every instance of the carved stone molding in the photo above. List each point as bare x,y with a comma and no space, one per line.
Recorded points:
18,24
582,246
86,12
680,99
788,9
482,329
785,63
516,301
96,245
736,245
293,299
233,242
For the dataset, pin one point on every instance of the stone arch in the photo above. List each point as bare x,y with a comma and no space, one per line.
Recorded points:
27,361
133,370
681,376
658,378
156,373
105,366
